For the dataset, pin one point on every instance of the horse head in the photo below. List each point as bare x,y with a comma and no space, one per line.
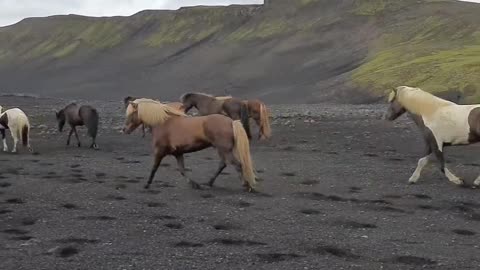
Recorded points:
396,109
132,120
189,101
127,100
60,116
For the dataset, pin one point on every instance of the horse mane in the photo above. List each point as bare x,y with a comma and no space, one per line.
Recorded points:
223,97
143,100
188,95
419,102
73,104
154,113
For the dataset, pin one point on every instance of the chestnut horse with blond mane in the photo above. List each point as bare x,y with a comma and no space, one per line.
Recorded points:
441,122
173,133
128,99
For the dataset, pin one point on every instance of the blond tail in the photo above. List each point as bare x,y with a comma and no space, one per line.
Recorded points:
242,152
265,122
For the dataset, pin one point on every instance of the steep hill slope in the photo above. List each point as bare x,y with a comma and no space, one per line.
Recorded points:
300,51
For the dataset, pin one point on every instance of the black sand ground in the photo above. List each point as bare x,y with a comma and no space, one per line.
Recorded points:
334,196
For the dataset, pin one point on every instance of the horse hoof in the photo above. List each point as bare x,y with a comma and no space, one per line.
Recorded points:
196,186
146,186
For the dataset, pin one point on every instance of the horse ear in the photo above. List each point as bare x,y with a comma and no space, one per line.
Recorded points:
134,105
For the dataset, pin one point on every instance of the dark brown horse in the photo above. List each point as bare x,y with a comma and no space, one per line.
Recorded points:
75,116
206,104
176,134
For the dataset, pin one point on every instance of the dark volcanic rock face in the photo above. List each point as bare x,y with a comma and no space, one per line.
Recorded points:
285,52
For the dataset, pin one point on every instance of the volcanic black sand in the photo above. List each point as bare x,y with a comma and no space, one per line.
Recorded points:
334,195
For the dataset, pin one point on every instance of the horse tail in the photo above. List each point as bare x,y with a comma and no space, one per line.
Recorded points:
242,152
244,118
92,124
265,128
25,134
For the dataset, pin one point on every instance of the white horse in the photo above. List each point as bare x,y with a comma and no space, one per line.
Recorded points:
17,121
442,123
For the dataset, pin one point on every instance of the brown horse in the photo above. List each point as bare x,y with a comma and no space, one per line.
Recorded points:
76,115
128,99
206,104
176,134
258,112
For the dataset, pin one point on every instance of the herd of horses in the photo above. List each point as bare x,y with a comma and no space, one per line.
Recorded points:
223,122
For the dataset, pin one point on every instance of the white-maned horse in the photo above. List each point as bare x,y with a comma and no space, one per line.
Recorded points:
442,123
17,122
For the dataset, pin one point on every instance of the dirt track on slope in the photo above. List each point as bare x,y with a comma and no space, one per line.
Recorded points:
334,196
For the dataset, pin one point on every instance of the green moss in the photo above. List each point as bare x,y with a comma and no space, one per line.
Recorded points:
265,29
66,50
369,7
307,2
191,25
434,72
105,34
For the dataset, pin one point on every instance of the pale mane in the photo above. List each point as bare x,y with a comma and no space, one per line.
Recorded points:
155,113
182,98
140,100
223,97
419,102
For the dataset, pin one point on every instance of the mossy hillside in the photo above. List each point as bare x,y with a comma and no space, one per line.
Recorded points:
437,53
64,36
189,25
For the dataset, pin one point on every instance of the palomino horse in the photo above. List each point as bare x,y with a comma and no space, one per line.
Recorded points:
128,99
206,104
258,112
441,122
176,134
75,115
17,121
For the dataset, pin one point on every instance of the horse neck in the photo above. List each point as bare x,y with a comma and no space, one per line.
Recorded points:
203,102
424,106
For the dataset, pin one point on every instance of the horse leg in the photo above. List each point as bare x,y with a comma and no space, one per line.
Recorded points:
437,147
259,124
421,164
76,136
221,166
159,155
143,131
238,167
477,182
14,132
69,136
4,139
94,143
181,167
